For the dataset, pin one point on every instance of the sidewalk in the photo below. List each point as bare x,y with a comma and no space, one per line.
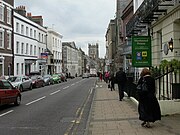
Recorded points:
109,116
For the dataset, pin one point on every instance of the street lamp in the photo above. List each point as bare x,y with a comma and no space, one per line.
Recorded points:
171,45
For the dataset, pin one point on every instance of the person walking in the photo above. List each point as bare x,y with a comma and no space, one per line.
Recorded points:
148,107
112,81
121,81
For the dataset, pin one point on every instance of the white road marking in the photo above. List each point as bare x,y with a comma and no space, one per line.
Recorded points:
66,87
6,113
36,100
55,92
72,84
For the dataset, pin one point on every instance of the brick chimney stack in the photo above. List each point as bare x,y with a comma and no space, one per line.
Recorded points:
21,10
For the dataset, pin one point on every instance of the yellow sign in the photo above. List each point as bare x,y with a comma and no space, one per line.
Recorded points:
144,54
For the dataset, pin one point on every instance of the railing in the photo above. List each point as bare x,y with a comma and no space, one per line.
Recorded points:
167,83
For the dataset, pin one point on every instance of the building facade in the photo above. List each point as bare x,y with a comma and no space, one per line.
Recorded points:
6,37
93,51
29,44
54,44
70,58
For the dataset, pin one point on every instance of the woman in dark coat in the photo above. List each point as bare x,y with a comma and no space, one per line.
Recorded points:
148,108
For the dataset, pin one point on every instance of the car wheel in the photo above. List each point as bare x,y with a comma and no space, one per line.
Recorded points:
43,84
18,101
30,88
21,88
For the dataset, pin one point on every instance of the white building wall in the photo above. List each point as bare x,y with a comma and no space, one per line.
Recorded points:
55,46
31,44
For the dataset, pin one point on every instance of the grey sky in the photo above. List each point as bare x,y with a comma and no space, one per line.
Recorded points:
82,21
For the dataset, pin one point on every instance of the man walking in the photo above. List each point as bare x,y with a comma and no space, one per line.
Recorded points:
121,81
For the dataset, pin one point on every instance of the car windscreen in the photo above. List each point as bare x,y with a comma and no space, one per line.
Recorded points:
14,79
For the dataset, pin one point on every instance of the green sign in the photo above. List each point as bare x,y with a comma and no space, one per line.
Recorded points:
141,51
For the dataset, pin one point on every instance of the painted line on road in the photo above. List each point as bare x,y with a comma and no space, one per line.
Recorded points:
54,92
36,100
72,84
6,113
66,87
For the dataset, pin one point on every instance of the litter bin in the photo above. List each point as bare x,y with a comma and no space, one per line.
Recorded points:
176,90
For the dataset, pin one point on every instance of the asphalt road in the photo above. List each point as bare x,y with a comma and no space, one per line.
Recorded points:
60,109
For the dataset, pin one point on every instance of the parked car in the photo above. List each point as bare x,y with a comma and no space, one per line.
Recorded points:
62,76
56,78
9,93
37,81
48,79
85,75
21,82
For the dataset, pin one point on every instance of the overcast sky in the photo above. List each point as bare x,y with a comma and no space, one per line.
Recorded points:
81,21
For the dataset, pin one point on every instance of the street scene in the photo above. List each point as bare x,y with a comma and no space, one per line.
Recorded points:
86,67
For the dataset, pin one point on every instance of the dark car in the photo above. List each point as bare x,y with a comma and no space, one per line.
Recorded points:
37,81
8,93
48,80
62,76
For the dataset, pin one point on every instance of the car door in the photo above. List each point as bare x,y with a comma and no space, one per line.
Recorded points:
10,92
2,94
25,82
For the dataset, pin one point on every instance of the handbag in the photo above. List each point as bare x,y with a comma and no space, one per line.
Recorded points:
142,87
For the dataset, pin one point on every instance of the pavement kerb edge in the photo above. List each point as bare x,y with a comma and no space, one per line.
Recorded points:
90,114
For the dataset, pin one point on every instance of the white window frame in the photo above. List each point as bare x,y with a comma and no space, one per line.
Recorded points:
31,48
27,48
17,47
22,48
1,12
35,50
9,39
2,39
9,17
27,31
17,27
22,29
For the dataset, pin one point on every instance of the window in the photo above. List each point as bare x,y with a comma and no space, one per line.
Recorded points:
35,34
27,48
9,40
22,68
17,47
31,49
22,48
6,84
39,51
30,32
17,27
42,38
22,29
35,50
8,15
39,37
1,38
27,31
1,12
17,68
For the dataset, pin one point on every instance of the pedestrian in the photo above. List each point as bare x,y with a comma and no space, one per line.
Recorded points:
121,81
100,77
107,77
112,81
148,107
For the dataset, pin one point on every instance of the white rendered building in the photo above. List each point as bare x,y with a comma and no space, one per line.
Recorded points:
54,44
29,44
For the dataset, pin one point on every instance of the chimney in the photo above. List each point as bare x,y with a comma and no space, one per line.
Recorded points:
21,10
37,19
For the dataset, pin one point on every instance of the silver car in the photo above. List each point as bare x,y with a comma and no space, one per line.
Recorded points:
21,82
